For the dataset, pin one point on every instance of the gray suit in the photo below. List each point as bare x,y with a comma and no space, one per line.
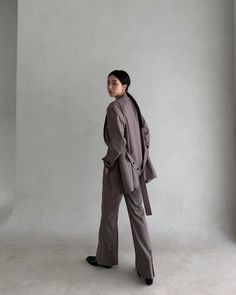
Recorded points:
130,168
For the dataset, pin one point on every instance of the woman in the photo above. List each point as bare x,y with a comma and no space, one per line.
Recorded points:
127,169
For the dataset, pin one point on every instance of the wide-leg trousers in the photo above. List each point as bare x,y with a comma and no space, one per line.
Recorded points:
107,248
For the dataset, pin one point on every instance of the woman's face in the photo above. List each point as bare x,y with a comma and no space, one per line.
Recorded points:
114,86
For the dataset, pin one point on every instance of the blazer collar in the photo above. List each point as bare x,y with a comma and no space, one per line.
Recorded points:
124,96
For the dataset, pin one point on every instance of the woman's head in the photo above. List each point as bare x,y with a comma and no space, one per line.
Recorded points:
118,82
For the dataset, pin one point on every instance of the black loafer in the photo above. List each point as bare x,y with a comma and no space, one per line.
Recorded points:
92,260
147,281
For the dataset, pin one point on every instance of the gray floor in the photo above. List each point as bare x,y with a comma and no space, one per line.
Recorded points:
50,263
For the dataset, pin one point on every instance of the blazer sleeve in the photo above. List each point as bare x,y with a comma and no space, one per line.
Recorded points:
117,142
146,133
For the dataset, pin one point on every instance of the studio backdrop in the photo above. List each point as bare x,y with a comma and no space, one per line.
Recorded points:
180,57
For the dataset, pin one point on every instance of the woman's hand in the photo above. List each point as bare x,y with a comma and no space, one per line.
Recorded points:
106,170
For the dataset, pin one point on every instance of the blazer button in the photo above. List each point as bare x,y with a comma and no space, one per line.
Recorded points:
133,162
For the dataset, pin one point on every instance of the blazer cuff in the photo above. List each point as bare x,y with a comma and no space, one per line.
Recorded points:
107,164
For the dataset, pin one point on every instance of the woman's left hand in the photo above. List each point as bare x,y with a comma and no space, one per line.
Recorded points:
106,170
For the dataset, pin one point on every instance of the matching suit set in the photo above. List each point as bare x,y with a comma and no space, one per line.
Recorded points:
130,168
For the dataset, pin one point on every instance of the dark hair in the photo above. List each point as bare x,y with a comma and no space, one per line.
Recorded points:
125,79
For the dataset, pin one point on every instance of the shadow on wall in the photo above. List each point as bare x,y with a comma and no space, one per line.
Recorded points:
7,199
230,207
8,47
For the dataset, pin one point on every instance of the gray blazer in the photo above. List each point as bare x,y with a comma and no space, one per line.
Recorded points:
130,168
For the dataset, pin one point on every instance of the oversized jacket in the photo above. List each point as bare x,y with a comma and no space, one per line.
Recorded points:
127,156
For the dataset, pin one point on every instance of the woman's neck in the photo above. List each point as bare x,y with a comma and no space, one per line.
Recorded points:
118,97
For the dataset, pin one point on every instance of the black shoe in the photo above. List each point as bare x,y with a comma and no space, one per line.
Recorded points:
92,260
147,281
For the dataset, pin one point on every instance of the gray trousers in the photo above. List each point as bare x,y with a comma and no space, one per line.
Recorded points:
107,248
